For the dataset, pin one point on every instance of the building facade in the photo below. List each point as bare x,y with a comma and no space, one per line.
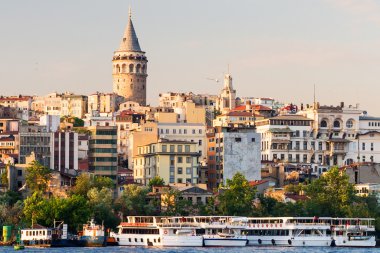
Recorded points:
103,151
173,161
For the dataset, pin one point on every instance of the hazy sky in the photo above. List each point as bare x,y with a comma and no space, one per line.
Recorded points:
275,48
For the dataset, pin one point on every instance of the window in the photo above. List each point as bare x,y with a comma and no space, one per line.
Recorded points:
253,139
19,172
179,148
174,131
238,139
323,123
171,148
179,170
336,124
179,180
188,170
188,159
187,148
363,146
179,159
200,131
164,148
349,123
184,131
193,131
200,142
371,146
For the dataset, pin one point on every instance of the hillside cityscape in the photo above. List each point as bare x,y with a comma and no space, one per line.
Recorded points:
68,156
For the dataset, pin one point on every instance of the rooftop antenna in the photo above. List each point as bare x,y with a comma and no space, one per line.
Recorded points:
314,96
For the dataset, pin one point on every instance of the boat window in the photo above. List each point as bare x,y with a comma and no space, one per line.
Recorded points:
142,240
154,240
135,239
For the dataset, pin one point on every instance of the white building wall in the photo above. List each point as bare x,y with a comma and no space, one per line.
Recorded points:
241,154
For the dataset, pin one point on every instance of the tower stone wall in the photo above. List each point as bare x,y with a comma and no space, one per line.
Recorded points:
130,68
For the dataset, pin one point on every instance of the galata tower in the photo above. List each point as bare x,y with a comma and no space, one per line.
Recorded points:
130,67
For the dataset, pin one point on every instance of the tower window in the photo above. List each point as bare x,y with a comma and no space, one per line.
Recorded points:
130,68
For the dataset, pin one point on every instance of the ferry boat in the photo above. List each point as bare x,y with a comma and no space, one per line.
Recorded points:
138,231
180,232
223,231
288,231
353,232
93,235
37,236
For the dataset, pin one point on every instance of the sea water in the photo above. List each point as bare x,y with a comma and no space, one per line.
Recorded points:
248,249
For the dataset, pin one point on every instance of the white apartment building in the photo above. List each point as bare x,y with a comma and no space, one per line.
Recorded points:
289,138
337,127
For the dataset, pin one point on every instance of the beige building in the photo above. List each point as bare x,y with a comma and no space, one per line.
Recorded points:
102,102
145,134
130,67
126,121
173,161
74,105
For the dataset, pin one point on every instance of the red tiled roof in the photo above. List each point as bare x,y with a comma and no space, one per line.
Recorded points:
254,107
242,113
296,197
257,182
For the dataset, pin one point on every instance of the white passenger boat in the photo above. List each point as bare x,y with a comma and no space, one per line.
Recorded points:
138,231
223,231
180,232
353,232
288,231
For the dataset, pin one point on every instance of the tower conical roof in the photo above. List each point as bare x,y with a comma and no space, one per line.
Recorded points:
130,42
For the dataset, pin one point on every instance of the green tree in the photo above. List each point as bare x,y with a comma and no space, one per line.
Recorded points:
101,204
133,201
174,204
37,177
330,195
156,181
85,182
237,197
77,122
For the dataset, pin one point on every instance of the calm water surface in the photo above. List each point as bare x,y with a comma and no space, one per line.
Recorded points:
196,250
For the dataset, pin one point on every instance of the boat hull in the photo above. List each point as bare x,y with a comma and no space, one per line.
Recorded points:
267,240
311,242
138,240
345,242
94,241
182,241
224,242
61,243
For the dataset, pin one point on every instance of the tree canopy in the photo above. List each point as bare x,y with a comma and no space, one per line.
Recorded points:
37,177
237,197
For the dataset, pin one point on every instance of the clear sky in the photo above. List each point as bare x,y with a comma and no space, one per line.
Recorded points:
275,48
